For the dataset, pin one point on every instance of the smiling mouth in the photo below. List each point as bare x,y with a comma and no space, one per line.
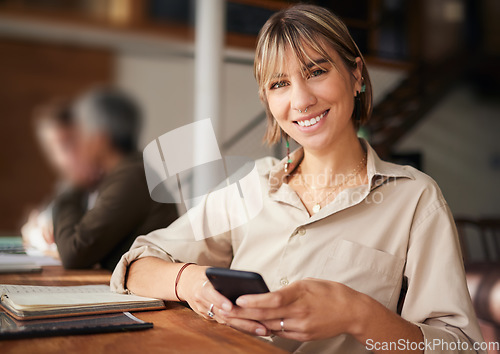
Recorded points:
312,121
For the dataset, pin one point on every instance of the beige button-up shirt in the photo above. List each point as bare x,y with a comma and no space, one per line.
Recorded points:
369,238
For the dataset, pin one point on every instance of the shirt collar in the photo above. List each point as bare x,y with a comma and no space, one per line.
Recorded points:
376,168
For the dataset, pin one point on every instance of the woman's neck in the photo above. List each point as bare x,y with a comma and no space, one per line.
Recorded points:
340,159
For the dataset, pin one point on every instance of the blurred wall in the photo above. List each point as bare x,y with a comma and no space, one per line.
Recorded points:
31,73
461,150
164,85
445,18
491,25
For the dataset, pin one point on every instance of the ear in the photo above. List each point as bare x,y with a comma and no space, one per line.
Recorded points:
358,75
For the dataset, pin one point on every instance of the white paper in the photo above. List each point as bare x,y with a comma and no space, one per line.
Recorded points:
33,258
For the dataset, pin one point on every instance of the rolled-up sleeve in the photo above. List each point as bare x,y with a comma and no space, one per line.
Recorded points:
177,243
437,298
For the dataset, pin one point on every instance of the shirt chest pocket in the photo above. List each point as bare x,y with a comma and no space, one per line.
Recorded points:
364,269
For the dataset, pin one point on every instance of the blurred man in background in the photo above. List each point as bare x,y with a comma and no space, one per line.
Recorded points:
96,221
56,134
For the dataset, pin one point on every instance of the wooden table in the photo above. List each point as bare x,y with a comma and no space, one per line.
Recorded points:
176,329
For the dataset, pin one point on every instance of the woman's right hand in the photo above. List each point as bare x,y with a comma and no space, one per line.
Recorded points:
196,289
193,287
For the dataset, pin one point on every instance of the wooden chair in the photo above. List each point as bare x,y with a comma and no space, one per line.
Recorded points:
480,243
479,240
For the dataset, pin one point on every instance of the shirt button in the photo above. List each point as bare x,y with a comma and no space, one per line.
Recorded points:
301,231
284,281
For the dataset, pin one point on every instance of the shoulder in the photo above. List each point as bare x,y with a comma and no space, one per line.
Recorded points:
428,199
128,174
423,184
411,187
132,166
407,179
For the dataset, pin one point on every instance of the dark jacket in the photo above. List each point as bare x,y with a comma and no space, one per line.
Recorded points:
123,210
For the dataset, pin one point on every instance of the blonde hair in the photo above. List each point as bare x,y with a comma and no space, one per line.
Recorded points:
296,28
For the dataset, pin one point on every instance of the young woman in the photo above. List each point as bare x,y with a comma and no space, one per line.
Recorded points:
342,236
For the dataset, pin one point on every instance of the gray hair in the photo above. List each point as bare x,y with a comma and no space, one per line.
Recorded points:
112,112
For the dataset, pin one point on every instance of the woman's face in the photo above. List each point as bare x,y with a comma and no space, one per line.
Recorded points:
327,94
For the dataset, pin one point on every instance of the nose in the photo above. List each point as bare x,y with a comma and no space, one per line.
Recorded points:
302,96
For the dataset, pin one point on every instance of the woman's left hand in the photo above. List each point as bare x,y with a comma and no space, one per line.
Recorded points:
310,309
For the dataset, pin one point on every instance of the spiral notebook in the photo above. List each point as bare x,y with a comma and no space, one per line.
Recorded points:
25,302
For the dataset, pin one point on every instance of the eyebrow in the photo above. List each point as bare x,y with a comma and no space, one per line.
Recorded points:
317,62
308,66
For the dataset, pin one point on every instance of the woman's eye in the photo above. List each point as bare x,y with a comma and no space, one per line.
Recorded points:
277,85
317,72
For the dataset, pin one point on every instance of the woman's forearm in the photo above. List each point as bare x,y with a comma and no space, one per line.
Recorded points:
155,277
377,326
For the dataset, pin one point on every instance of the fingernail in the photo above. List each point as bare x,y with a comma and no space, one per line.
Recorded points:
260,331
226,306
241,301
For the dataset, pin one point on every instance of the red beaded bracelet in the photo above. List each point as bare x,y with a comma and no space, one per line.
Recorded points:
178,277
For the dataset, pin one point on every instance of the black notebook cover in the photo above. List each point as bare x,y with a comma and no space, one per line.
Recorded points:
13,329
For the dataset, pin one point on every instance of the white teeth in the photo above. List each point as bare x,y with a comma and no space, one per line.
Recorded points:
312,121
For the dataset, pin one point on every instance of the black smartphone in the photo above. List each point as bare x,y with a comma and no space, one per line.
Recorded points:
234,283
